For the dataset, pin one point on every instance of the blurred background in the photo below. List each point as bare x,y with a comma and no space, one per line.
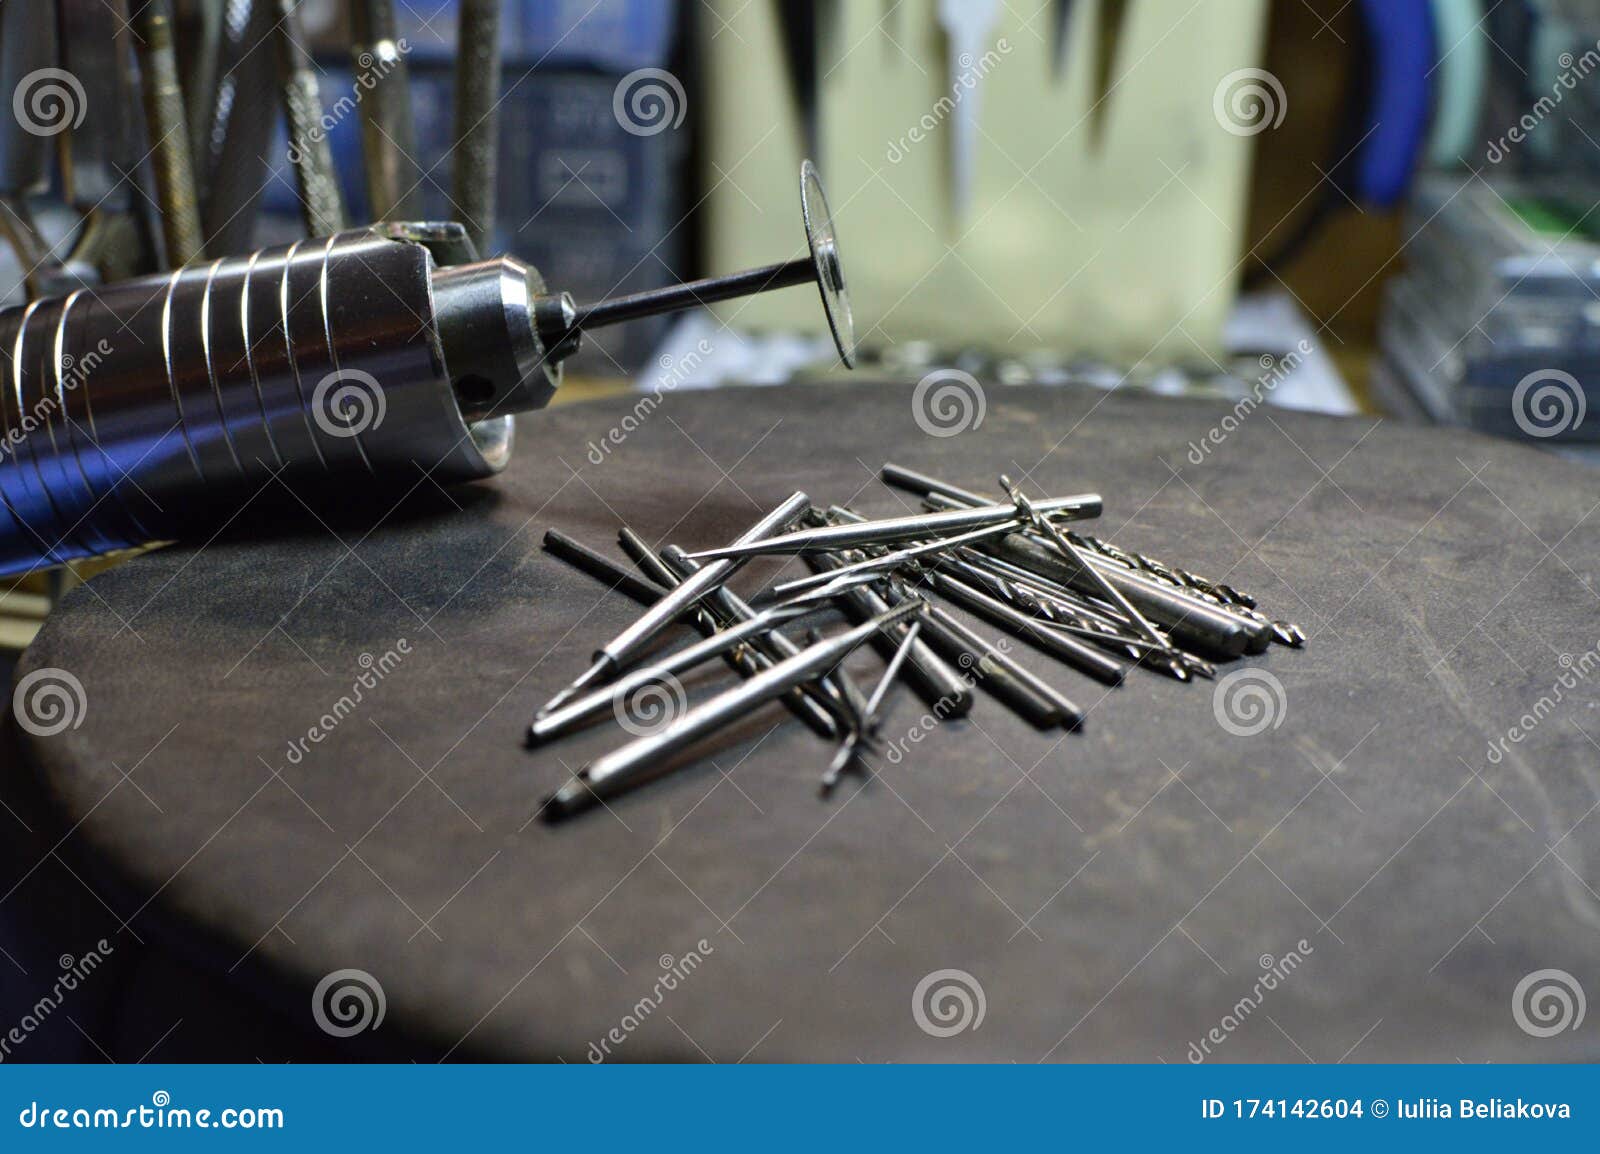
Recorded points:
1374,206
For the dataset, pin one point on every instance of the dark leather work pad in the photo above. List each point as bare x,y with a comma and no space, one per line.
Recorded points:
1381,848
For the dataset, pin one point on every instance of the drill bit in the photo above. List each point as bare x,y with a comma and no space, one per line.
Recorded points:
610,659
856,743
647,757
892,530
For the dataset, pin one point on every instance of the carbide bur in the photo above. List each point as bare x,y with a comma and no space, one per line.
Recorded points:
849,692
933,680
851,748
591,705
875,702
893,530
610,659
649,756
820,701
985,665
721,609
889,560
845,756
743,661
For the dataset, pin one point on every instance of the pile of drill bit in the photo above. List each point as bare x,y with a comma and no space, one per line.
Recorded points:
1012,563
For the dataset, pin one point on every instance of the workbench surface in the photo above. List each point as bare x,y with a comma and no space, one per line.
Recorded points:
1117,893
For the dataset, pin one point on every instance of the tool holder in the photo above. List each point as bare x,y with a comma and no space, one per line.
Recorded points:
125,408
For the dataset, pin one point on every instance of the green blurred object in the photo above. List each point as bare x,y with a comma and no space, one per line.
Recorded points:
1108,226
